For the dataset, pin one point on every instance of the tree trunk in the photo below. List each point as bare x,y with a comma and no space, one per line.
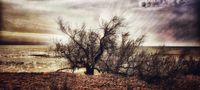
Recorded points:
89,70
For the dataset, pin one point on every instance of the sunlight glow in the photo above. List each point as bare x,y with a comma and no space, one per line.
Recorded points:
43,14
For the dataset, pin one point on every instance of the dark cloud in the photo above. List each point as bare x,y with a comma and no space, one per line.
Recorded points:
185,25
39,16
197,10
16,18
1,15
6,42
1,18
22,38
19,21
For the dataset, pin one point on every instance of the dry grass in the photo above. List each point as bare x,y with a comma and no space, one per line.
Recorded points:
67,81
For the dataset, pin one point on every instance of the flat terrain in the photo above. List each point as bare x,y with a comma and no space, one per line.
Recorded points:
40,58
32,67
29,58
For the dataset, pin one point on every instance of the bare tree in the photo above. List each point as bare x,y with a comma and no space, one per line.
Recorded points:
87,47
101,51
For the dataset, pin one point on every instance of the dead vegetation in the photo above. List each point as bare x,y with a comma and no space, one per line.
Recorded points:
68,81
103,52
92,50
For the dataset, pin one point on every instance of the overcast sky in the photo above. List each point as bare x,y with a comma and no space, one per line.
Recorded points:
34,21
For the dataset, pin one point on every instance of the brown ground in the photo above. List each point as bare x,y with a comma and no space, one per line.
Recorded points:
67,81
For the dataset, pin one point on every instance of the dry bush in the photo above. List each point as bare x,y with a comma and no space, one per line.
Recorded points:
129,60
86,48
120,60
100,51
132,61
92,50
158,66
192,65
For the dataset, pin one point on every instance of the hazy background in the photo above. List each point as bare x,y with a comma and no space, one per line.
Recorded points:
34,21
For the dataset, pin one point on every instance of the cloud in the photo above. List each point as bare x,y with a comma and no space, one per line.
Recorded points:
185,25
1,16
22,38
160,24
21,20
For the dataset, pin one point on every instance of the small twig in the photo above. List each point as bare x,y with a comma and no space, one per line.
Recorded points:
63,69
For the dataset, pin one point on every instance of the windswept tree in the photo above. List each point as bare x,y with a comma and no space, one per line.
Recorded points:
110,52
86,48
92,50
